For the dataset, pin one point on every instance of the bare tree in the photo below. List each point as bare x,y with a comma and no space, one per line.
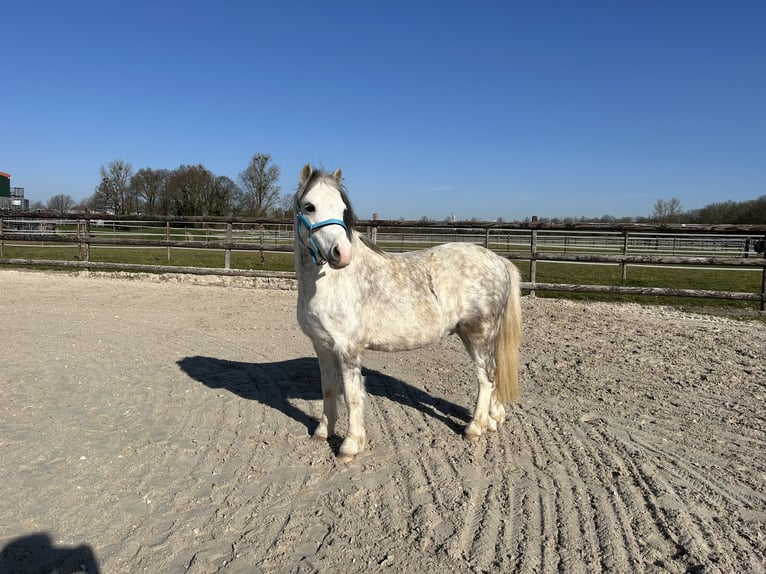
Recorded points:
667,211
61,203
83,205
284,206
114,194
260,191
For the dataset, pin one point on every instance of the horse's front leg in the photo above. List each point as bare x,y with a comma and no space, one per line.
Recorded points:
353,391
330,373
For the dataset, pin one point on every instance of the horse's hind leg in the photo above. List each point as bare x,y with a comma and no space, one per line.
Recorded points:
482,421
330,372
496,411
488,412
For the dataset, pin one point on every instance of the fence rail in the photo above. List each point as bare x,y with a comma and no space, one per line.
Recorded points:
730,246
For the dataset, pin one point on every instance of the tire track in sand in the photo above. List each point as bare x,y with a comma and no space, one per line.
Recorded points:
702,539
409,417
453,492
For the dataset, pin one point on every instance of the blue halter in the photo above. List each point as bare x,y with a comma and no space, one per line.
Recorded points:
302,221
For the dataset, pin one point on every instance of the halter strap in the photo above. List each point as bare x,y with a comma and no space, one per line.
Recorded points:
302,221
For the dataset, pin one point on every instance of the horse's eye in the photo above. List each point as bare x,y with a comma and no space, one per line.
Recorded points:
309,208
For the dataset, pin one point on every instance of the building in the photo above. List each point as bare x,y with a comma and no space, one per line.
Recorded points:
5,184
11,197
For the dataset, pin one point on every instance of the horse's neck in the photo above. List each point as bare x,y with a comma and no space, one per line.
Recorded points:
303,263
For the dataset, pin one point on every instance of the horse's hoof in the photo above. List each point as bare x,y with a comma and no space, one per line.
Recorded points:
344,457
471,437
472,431
318,438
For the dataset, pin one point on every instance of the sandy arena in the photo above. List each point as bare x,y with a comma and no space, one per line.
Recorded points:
161,424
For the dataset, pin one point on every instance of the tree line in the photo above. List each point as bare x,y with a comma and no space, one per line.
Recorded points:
747,212
184,191
194,190
752,211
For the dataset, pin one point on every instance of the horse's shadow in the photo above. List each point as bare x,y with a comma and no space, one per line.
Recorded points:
274,384
37,553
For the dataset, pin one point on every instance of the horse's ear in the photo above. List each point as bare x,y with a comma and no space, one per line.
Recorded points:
306,173
338,175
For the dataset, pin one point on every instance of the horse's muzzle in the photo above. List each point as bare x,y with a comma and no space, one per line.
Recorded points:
340,255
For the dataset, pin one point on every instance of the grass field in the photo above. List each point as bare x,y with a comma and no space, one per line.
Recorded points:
179,257
709,278
740,280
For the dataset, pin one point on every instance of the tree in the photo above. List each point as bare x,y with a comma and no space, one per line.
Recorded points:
284,207
190,187
150,187
667,211
260,191
755,211
82,206
114,194
224,194
751,211
61,203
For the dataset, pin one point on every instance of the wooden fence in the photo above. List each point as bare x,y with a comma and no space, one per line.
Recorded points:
729,246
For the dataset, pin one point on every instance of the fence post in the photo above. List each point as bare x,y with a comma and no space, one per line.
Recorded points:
486,238
86,251
2,239
261,231
763,279
763,289
167,236
373,230
532,260
624,252
227,251
80,234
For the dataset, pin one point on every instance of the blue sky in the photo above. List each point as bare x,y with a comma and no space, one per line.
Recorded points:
482,108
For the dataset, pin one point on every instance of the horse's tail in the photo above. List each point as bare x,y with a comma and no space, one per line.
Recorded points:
509,341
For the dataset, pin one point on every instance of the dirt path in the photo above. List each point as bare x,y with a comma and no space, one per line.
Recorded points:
162,426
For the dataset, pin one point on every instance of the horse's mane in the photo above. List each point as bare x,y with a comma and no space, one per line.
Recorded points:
317,175
373,246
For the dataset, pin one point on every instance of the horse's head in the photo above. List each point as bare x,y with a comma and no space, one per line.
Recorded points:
323,217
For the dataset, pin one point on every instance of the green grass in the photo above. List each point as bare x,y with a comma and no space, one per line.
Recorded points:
159,256
646,276
250,260
215,259
270,262
716,279
63,252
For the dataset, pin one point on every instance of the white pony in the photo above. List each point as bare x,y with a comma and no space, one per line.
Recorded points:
352,296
